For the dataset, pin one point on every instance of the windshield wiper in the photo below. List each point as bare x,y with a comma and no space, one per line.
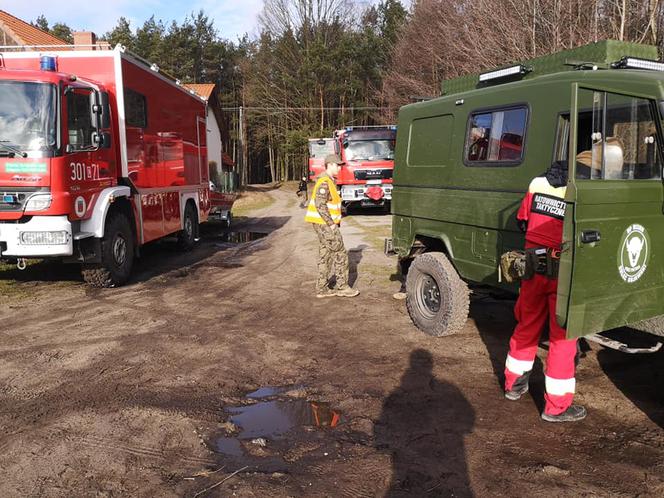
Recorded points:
12,149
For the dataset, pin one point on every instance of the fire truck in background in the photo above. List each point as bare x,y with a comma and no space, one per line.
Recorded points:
318,149
365,179
100,153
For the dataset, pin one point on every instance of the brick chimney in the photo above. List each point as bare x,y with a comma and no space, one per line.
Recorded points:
84,39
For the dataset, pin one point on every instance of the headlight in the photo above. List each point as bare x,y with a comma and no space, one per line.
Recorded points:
38,202
45,238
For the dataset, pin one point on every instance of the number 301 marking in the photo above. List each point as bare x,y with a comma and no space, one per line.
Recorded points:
83,172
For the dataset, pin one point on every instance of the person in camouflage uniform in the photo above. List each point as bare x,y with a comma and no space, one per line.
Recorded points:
324,213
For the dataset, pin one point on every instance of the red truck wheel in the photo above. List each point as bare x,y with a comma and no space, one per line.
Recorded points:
187,237
117,254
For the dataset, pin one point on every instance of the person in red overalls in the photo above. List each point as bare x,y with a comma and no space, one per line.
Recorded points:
541,217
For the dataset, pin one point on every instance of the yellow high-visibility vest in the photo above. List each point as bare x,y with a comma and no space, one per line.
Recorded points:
333,206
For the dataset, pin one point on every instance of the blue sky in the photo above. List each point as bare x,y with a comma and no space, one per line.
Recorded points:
232,17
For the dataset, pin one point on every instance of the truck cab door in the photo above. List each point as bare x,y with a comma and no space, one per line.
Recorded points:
612,265
89,159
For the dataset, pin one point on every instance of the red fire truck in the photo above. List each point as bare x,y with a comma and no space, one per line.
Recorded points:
100,153
368,154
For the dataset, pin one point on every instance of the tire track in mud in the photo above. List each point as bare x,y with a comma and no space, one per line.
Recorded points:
103,443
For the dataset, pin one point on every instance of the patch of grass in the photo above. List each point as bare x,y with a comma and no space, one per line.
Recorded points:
12,289
17,284
250,201
9,287
376,275
375,235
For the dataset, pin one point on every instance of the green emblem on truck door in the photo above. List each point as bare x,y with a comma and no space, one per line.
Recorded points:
634,253
26,168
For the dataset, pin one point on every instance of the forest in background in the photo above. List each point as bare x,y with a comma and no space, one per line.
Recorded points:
318,65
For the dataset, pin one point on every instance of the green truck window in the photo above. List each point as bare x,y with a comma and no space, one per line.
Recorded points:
496,137
429,141
619,142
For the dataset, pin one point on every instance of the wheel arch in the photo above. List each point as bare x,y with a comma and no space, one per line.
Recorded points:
108,198
425,242
189,198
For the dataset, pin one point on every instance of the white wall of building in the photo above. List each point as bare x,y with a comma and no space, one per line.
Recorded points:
213,139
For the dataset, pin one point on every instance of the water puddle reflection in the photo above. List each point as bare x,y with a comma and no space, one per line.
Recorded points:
241,237
274,420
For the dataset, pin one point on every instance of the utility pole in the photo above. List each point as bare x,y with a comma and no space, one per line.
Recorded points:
244,148
243,175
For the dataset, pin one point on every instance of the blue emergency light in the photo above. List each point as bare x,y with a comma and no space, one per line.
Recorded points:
47,63
9,199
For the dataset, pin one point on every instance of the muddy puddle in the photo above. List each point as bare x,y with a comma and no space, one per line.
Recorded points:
272,424
224,238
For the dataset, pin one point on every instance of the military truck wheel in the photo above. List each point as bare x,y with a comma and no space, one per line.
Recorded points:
436,297
187,237
117,254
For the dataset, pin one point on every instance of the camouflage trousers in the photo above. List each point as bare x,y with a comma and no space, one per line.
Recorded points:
331,252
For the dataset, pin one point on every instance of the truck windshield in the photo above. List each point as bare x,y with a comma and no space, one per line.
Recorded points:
320,149
370,150
27,117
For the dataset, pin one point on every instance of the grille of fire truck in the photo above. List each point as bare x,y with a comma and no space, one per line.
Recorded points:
373,174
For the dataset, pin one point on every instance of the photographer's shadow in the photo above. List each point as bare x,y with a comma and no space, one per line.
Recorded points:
423,425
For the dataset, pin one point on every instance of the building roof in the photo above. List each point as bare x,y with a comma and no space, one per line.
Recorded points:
203,90
25,33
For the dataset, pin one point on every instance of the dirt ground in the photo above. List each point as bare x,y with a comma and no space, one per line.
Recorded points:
127,392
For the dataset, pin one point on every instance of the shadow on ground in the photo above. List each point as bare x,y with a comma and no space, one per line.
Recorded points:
354,259
422,425
639,377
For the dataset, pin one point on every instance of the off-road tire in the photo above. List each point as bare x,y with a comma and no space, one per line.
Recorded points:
452,295
187,236
117,254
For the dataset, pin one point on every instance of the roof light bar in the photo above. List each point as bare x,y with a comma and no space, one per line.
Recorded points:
634,63
504,73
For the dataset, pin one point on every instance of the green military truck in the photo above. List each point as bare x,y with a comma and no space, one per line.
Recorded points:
465,160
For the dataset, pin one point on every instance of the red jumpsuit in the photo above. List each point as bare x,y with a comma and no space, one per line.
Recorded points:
543,209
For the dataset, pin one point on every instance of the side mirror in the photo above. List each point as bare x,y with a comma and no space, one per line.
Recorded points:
102,140
100,113
345,143
105,110
95,110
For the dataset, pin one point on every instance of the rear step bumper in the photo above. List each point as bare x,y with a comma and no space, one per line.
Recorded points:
622,347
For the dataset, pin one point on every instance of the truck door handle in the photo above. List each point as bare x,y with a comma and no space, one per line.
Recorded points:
590,236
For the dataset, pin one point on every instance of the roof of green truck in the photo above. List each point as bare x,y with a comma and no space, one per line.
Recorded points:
602,53
630,81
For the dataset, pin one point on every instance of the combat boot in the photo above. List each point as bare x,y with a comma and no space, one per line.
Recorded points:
572,414
346,291
325,293
519,388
